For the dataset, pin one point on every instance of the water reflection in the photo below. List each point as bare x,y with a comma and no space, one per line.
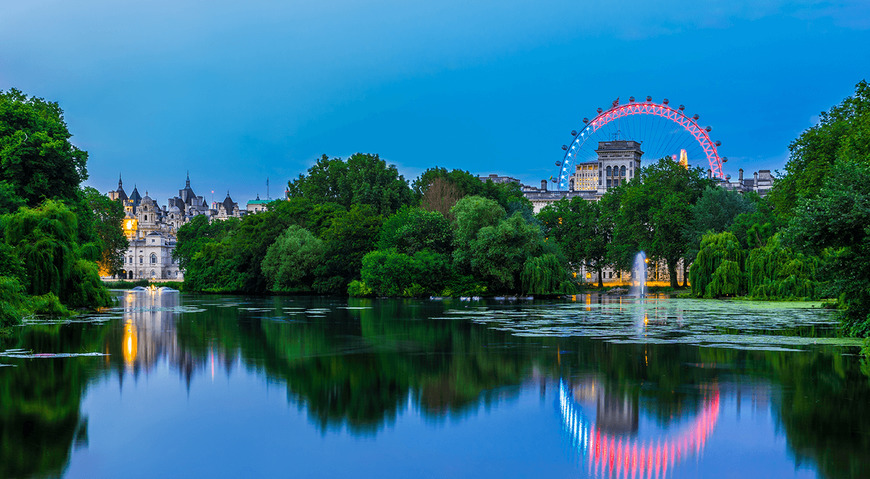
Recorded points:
358,371
612,442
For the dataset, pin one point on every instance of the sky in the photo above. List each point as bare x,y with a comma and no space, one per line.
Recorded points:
238,92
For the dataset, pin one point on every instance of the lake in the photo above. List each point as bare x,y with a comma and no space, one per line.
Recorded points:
180,385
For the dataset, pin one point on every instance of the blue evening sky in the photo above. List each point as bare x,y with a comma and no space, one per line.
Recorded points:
236,92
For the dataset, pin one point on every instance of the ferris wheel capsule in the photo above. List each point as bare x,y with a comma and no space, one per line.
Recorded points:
599,110
565,147
665,101
696,116
724,159
573,132
718,143
682,107
586,120
709,129
558,163
648,98
631,99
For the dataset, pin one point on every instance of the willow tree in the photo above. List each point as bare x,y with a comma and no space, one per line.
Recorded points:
775,271
716,271
45,239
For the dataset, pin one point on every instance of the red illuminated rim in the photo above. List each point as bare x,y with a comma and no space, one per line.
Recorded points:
645,108
625,456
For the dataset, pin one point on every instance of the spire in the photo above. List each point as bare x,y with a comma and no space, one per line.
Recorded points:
120,185
187,183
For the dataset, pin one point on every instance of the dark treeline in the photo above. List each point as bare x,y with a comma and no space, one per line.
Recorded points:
54,235
358,227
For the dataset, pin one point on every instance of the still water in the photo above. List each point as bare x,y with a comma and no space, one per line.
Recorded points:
177,385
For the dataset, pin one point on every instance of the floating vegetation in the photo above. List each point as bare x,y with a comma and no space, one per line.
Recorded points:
751,325
20,354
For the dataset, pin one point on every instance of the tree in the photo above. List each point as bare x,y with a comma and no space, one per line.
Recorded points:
470,215
715,211
196,233
37,160
499,253
351,235
755,228
363,179
654,208
842,133
713,272
45,239
836,220
413,229
108,215
582,231
440,196
459,183
391,273
290,261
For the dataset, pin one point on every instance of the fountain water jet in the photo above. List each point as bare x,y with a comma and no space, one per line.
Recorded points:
638,276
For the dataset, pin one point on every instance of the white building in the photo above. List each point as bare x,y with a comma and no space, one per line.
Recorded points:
151,229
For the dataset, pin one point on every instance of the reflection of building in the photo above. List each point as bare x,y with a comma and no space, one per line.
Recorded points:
150,336
615,413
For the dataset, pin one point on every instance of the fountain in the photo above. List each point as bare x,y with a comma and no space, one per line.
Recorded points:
638,276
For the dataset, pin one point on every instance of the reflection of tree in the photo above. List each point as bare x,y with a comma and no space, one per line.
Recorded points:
358,368
39,404
825,412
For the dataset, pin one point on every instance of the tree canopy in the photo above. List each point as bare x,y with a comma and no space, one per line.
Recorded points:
363,179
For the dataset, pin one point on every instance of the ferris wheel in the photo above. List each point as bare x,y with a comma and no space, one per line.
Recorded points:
661,130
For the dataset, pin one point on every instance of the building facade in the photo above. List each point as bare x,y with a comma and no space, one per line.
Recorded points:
152,229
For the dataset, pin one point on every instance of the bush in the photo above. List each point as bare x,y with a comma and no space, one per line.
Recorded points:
358,289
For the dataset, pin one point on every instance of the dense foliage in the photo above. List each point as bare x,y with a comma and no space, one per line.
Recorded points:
335,236
53,234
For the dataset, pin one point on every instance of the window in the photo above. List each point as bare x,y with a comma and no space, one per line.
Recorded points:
622,171
608,171
153,258
141,260
146,217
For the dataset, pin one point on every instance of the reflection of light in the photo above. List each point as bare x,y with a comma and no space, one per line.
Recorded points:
615,455
131,342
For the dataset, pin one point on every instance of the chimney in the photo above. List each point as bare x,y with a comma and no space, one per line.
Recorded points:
756,179
709,173
741,175
543,185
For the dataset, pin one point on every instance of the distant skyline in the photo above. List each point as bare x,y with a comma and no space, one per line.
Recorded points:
235,92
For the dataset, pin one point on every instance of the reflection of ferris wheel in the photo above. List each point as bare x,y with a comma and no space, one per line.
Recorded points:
621,455
662,131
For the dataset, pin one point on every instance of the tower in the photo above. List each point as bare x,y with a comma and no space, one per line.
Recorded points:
618,163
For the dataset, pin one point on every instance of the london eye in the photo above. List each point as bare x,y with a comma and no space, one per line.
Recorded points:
662,130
